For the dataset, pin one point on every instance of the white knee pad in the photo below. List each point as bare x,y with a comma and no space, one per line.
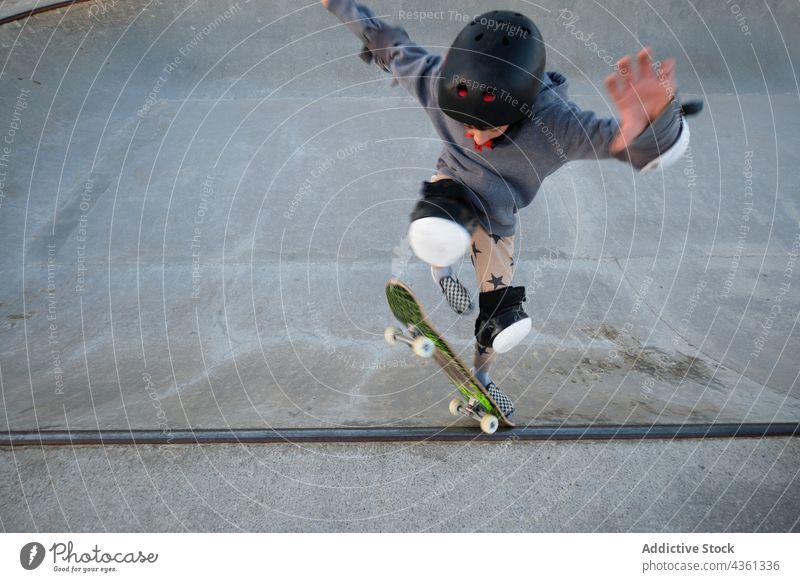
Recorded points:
512,335
438,241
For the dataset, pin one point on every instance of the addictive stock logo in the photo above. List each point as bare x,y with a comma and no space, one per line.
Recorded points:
31,555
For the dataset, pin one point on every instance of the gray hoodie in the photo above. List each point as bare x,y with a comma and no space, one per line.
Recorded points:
504,178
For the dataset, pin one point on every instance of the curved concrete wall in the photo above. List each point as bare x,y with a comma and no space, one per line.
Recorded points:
201,202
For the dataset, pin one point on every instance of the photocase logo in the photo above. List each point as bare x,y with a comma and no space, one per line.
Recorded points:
31,555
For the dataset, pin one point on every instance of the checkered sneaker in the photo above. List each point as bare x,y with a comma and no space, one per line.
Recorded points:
456,294
503,402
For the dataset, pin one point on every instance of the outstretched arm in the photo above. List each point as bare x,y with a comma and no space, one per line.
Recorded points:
390,47
650,132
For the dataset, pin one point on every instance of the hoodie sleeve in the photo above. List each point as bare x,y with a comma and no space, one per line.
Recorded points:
391,49
582,135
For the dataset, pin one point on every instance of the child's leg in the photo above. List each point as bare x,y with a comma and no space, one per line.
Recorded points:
441,228
442,222
493,259
439,272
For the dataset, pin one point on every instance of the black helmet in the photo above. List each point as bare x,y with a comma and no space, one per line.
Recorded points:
493,70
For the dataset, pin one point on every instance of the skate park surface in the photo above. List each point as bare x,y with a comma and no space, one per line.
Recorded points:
201,204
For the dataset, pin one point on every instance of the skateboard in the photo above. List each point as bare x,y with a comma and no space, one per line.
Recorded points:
426,342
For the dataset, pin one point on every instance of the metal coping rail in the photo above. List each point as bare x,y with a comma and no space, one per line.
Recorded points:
395,434
38,10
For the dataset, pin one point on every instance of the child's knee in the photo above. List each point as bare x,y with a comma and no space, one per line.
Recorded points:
442,223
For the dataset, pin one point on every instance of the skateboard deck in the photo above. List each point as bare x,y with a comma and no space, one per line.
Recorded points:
407,309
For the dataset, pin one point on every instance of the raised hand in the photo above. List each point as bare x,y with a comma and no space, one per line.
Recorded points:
640,96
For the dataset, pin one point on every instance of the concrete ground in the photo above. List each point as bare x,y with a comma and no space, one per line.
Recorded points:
747,485
201,201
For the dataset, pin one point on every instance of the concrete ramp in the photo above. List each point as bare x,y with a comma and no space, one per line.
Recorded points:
201,202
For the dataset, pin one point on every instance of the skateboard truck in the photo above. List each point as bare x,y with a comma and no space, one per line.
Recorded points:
425,348
421,345
474,409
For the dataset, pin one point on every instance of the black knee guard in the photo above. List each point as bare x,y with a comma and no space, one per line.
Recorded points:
446,199
499,310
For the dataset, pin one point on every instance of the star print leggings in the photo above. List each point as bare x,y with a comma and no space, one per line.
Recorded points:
493,259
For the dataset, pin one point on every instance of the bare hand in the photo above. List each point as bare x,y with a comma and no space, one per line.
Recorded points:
325,3
641,98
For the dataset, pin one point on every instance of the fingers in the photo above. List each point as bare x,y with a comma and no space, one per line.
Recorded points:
616,83
613,86
667,70
624,68
625,78
645,62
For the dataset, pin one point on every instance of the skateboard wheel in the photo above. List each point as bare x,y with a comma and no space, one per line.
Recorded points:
423,347
390,335
489,424
456,407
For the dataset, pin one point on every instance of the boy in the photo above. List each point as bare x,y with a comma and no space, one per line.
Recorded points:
506,124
